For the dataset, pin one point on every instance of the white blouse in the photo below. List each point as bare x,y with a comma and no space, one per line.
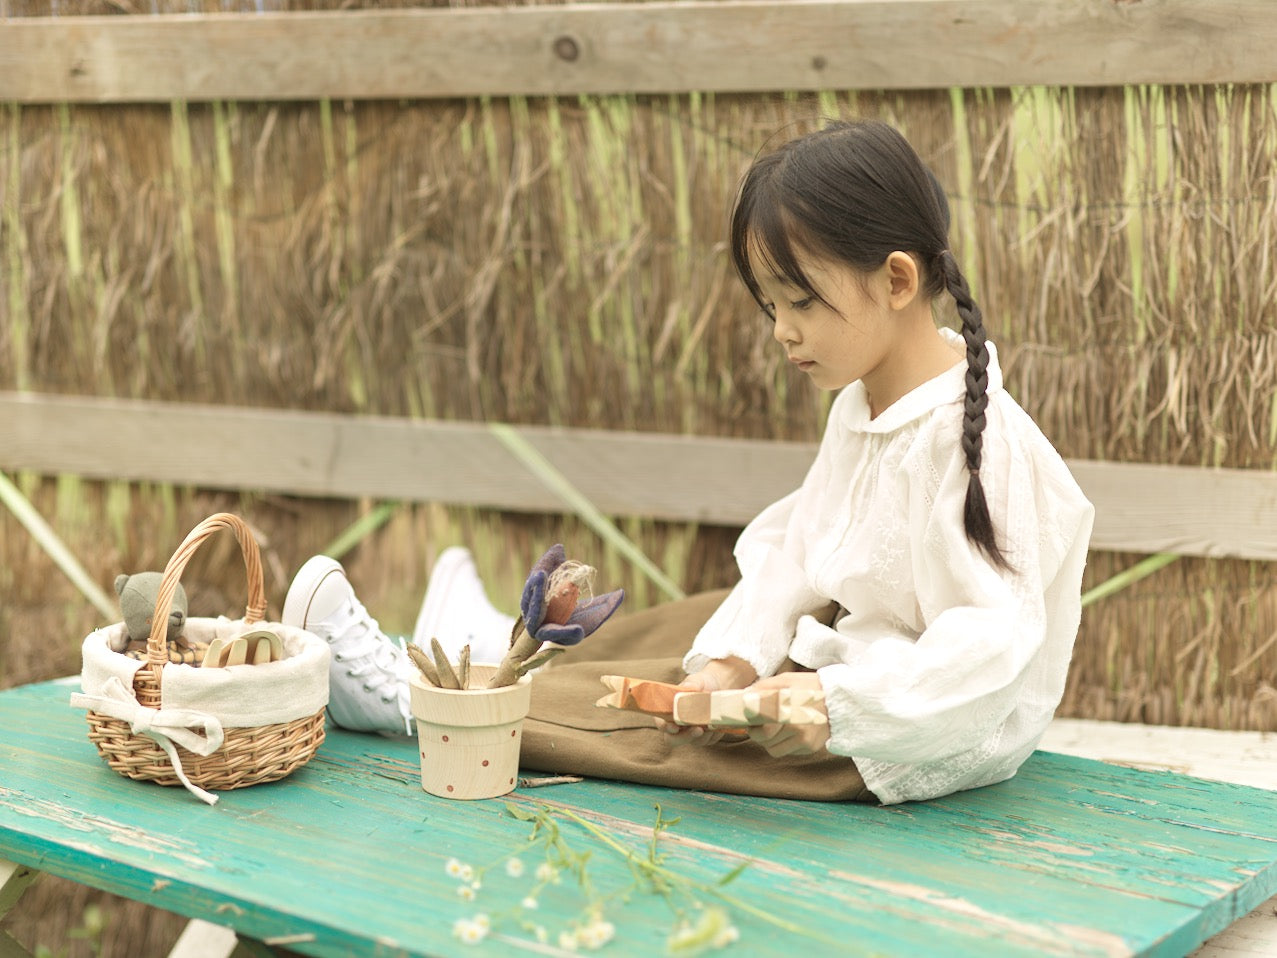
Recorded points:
940,672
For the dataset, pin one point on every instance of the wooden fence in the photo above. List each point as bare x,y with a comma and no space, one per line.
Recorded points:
240,223
662,47
670,47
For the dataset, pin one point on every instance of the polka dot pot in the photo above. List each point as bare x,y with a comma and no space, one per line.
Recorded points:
469,740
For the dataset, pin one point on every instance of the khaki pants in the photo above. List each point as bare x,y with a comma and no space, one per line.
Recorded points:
567,734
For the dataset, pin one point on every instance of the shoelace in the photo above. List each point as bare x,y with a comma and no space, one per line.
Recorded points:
371,655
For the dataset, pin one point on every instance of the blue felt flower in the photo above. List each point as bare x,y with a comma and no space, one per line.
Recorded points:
551,612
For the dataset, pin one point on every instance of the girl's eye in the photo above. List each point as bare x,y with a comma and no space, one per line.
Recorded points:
769,310
804,303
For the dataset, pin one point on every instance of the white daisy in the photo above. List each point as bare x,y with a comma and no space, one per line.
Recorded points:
470,932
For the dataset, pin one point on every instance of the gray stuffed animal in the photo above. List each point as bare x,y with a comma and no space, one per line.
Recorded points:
137,594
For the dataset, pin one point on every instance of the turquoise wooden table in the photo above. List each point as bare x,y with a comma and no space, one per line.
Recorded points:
349,857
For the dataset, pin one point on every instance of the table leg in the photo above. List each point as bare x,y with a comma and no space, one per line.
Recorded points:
14,880
203,939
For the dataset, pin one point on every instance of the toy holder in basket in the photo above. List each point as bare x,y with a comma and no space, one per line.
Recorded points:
216,728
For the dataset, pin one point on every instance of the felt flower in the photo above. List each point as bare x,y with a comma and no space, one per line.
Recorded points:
553,616
551,606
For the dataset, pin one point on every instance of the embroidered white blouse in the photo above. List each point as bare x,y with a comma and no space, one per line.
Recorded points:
940,672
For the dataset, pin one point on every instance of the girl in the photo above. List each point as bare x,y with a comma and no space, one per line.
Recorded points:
926,576
936,516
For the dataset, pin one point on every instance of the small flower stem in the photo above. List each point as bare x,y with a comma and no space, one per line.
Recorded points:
522,649
670,876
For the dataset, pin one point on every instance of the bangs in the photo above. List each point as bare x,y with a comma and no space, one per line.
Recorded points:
764,232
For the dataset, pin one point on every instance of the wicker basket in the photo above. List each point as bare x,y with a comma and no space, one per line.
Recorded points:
156,737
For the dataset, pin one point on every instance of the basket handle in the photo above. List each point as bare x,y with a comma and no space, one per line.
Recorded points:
156,644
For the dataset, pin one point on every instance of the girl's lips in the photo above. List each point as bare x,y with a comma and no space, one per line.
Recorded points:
803,364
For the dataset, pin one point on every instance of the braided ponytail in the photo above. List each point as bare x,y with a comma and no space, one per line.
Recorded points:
976,519
857,192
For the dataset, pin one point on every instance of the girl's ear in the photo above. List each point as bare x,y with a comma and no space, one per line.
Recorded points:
904,279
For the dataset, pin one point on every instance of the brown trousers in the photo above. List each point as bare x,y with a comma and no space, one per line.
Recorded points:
567,734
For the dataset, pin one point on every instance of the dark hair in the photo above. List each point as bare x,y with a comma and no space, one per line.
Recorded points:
858,192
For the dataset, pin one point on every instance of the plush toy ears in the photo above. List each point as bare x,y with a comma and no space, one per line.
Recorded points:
137,594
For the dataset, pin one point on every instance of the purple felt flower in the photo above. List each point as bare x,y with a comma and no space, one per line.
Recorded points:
550,604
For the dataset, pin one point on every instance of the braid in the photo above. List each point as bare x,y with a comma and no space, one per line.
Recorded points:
976,519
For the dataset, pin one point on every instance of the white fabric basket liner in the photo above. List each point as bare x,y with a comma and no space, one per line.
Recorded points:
237,696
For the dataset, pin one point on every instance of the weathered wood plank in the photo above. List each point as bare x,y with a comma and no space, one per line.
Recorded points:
317,454
1140,507
1244,758
347,856
1240,757
1143,507
1253,936
703,45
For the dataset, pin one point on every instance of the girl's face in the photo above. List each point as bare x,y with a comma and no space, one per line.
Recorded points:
855,340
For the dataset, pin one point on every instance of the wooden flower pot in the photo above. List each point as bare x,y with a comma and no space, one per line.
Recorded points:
469,739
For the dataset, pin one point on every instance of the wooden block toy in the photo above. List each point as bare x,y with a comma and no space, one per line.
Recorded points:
730,708
639,695
251,648
742,708
694,708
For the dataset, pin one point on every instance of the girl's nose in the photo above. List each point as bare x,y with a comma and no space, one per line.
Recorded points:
782,331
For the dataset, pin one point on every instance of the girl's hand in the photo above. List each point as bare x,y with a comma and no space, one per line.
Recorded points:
729,673
781,740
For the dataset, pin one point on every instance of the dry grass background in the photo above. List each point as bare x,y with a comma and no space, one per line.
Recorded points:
562,261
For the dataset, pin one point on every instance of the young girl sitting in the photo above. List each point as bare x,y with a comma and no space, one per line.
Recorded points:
926,576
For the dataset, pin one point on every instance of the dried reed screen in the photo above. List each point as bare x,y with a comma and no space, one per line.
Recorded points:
562,261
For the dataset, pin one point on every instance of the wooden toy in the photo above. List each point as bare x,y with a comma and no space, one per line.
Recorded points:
729,708
639,695
251,648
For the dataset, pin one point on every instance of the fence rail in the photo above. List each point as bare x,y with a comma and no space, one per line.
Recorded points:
662,47
1139,507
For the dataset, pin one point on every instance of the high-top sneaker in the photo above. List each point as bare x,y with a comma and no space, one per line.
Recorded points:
368,673
456,611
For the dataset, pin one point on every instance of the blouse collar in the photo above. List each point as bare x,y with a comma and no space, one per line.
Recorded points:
948,387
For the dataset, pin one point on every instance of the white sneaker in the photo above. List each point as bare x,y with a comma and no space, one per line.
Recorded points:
368,672
456,611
